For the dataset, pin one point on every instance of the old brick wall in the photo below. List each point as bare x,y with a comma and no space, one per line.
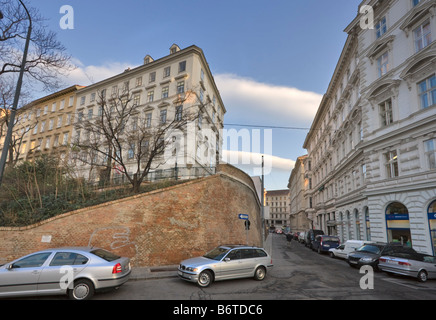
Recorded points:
158,228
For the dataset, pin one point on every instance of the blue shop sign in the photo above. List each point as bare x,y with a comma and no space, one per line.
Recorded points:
431,215
398,216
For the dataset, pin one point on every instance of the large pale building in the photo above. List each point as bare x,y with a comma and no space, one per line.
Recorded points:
161,91
372,142
299,207
44,126
277,202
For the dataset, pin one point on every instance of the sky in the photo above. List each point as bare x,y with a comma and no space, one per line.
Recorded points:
272,60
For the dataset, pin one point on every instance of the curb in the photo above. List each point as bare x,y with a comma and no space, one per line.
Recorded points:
170,271
147,273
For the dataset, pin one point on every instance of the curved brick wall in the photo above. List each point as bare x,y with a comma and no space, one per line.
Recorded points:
158,228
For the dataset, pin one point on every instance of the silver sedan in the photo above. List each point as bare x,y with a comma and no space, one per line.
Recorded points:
78,272
417,265
226,262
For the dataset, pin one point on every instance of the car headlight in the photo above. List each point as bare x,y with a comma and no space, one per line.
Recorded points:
191,269
367,259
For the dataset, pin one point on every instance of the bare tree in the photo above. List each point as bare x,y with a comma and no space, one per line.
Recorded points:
121,137
46,62
46,59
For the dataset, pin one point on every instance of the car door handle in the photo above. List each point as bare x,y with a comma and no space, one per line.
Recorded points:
35,271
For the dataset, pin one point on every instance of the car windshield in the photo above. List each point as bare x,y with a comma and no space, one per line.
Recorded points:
217,253
330,239
369,248
106,255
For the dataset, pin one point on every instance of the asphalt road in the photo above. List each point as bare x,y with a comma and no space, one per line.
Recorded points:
298,274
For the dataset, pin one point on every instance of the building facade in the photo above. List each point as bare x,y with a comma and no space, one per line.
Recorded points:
300,217
372,142
44,126
160,91
277,202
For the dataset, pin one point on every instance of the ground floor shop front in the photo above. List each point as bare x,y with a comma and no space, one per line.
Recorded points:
406,217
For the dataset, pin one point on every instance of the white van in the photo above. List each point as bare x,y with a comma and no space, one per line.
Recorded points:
344,249
301,237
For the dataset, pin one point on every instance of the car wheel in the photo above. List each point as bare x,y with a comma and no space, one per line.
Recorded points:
83,290
422,276
332,255
260,274
205,279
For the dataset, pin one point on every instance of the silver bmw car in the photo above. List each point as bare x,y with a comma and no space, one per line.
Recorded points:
78,272
226,262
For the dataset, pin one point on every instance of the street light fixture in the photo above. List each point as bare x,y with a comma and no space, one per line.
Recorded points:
8,137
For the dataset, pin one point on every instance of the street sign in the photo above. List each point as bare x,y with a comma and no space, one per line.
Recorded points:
243,216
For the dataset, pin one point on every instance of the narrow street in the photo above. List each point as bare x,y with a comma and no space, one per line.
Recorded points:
298,274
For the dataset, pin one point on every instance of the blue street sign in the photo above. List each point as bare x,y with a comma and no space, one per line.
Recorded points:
243,216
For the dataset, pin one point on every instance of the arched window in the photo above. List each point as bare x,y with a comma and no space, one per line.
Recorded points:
431,213
367,224
357,222
397,223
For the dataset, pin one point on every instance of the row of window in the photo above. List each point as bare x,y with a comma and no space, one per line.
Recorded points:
41,127
46,110
421,37
150,94
390,160
427,98
39,144
139,82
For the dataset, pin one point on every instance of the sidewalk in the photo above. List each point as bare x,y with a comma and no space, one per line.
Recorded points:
161,272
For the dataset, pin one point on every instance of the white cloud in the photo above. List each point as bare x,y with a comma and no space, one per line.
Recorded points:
86,75
252,162
254,100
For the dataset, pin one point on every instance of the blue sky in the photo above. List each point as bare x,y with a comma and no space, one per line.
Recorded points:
272,60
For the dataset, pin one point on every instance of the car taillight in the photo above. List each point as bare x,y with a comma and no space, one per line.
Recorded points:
401,263
117,268
382,260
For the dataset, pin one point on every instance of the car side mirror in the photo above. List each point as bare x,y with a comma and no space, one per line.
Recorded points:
227,259
10,267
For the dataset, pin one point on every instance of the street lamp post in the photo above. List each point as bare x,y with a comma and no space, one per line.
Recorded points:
8,137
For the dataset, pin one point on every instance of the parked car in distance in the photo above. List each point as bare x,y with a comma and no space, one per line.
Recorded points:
418,265
310,236
323,243
226,262
47,272
302,237
346,248
370,253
